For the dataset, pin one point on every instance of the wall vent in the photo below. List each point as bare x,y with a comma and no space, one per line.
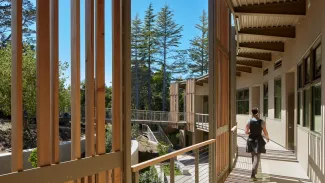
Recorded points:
277,65
265,72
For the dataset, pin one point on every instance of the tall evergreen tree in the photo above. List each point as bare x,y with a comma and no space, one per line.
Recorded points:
169,35
136,46
198,51
150,47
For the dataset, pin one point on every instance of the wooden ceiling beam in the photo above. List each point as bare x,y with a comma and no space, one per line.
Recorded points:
238,74
256,56
267,46
283,32
250,63
291,8
244,69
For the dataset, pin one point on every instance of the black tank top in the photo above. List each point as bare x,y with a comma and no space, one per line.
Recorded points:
255,128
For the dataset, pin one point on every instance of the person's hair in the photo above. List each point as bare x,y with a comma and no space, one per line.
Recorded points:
254,111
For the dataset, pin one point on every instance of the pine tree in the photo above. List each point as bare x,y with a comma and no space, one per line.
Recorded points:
169,35
136,46
198,51
149,47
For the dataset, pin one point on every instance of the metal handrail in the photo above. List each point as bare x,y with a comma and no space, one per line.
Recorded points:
151,136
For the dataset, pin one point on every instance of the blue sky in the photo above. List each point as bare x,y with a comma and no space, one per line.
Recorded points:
186,13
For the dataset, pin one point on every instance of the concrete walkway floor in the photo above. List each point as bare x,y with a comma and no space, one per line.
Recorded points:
277,165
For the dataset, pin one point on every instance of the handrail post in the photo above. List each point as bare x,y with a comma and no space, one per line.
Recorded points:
135,177
196,165
172,170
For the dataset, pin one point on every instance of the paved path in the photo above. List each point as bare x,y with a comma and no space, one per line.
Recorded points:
277,165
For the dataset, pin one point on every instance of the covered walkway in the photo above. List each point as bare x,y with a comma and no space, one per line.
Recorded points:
277,165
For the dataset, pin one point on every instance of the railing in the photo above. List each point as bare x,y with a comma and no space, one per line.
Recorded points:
184,166
146,129
234,147
163,137
202,121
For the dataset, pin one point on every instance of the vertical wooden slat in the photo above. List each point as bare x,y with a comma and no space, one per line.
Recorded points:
197,156
172,170
75,80
89,36
117,82
126,60
16,87
43,83
54,57
100,82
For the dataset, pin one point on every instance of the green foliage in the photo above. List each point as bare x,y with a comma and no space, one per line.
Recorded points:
198,52
29,18
29,81
162,148
135,131
33,158
108,95
166,169
149,176
108,138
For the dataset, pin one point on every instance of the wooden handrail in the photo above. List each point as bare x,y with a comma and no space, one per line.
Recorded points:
140,166
234,128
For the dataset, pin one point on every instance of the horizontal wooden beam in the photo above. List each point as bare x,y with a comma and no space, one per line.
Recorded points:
256,56
267,46
297,8
199,83
238,74
244,69
284,32
250,63
67,171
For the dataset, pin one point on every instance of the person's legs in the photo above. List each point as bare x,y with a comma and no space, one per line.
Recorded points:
256,161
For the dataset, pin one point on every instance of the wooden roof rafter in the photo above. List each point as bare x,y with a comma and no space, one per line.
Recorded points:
244,69
250,63
266,46
282,31
256,56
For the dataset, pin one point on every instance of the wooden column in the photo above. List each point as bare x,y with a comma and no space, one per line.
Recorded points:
219,88
54,58
16,87
117,83
75,80
126,60
100,82
190,103
43,96
89,36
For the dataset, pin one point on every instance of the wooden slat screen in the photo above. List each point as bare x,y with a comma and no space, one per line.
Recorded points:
190,104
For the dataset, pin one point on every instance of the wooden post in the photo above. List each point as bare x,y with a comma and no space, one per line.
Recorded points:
135,177
117,83
89,36
16,87
43,91
126,60
54,57
172,170
75,80
100,82
197,156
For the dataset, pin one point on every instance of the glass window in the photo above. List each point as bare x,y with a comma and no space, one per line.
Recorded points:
265,101
300,78
307,70
317,119
277,99
318,61
307,108
243,101
300,105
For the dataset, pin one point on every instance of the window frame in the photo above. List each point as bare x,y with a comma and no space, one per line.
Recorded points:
304,85
279,96
242,100
266,98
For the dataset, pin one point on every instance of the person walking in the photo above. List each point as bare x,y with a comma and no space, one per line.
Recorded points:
255,140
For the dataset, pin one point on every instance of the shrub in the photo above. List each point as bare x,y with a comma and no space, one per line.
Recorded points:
162,148
108,138
149,176
33,158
